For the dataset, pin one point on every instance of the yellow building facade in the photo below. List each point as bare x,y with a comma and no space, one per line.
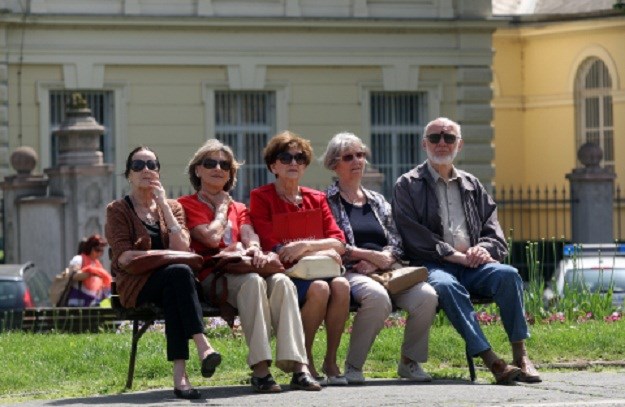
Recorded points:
539,110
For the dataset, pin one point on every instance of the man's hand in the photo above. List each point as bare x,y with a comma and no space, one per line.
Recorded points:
476,256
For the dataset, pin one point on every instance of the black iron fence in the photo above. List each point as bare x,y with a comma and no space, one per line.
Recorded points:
543,215
536,213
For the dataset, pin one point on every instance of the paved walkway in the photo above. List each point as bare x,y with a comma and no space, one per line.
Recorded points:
557,389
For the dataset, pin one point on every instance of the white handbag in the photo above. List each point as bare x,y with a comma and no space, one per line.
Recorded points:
315,267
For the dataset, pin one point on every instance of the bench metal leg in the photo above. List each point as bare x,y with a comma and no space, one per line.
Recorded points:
137,333
471,365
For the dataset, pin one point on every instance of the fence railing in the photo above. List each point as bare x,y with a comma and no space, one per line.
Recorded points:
535,213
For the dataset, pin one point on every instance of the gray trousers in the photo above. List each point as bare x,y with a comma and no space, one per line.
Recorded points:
419,302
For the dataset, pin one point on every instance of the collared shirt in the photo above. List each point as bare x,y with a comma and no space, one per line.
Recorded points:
415,209
455,231
381,210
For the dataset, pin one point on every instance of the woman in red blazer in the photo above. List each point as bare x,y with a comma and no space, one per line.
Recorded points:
309,230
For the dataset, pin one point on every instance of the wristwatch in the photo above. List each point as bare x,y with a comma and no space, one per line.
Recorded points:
175,229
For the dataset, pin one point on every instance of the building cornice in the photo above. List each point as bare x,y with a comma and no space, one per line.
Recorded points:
252,23
550,28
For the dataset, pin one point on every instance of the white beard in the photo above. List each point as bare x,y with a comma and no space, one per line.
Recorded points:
442,160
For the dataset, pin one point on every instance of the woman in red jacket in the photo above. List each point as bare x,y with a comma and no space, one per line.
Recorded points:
295,221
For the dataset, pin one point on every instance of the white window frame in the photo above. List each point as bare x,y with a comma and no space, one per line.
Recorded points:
432,91
281,93
120,101
582,96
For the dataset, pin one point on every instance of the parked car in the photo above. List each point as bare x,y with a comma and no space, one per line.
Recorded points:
592,267
23,286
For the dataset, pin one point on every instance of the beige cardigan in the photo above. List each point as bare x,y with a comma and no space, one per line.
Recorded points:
124,231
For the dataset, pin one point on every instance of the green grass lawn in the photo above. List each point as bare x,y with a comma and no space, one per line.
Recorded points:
51,366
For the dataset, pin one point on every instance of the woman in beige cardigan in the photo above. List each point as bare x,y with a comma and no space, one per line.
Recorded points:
145,221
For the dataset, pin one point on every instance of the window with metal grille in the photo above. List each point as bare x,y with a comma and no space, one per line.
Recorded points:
102,109
397,121
245,121
594,108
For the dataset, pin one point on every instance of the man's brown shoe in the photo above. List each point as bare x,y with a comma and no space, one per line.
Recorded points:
529,374
503,372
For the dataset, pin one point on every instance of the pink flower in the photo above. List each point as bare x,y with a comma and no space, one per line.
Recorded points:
615,316
557,317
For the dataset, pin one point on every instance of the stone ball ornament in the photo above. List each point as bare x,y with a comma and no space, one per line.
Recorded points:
24,160
590,154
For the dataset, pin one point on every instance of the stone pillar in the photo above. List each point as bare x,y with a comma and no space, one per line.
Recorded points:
592,196
15,189
81,177
45,217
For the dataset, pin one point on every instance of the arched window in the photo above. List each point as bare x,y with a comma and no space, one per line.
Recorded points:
593,99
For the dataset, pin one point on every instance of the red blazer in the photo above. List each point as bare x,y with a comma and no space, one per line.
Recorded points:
198,213
265,203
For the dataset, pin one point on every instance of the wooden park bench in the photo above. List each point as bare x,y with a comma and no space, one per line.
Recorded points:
143,317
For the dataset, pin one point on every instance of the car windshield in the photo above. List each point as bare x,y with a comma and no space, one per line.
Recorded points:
597,280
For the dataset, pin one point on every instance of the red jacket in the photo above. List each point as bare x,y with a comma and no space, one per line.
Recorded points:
265,203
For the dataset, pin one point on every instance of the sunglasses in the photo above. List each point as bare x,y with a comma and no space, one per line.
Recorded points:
349,157
139,165
436,138
287,158
209,164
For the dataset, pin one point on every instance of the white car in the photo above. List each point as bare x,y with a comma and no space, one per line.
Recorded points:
595,267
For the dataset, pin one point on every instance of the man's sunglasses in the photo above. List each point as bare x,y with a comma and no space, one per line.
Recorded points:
287,158
139,165
436,138
349,157
209,164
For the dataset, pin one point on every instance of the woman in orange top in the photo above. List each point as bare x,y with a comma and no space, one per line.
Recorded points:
92,283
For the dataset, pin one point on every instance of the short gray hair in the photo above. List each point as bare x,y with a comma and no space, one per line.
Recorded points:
337,145
442,121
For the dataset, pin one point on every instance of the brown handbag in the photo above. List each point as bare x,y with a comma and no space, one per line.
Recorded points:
160,258
398,280
235,263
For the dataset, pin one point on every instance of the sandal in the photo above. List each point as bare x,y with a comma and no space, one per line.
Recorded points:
265,384
304,381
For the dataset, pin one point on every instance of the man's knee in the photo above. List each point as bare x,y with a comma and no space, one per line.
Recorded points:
442,282
508,274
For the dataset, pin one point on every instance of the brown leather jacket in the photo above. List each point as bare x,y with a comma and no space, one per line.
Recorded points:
124,231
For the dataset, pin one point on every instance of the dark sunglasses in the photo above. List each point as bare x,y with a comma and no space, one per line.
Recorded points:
349,157
209,164
139,165
436,138
287,158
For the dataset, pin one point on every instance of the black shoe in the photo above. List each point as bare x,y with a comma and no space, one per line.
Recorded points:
189,394
210,363
304,381
265,384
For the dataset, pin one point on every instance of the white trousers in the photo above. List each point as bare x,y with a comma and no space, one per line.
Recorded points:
419,302
265,304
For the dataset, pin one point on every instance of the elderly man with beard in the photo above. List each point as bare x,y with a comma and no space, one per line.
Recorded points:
448,223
